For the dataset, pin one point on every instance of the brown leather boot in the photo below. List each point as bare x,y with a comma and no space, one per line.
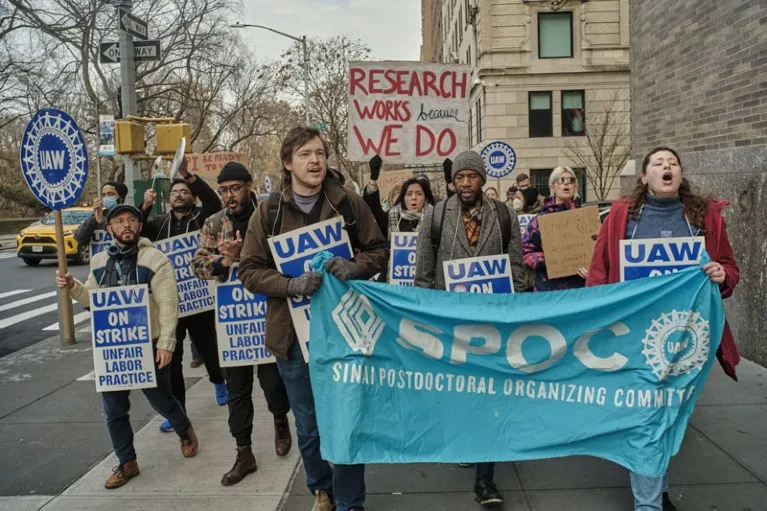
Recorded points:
322,501
121,474
282,439
189,444
244,464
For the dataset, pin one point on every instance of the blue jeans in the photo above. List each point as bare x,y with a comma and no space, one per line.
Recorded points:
346,481
117,406
648,491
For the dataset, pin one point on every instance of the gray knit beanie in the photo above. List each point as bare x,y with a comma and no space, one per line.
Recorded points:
469,160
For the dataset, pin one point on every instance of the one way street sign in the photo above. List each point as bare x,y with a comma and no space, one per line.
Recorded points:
143,51
133,25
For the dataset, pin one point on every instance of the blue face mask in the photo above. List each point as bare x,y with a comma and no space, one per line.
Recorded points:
109,201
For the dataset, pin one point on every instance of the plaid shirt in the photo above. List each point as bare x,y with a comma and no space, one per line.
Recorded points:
206,263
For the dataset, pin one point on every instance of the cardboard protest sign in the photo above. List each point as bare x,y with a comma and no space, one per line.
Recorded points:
240,324
486,274
402,258
659,256
208,165
524,221
293,253
100,240
568,240
408,112
194,295
390,179
122,338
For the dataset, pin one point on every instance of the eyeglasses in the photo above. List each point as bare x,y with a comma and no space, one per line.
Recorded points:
124,220
234,190
182,193
565,180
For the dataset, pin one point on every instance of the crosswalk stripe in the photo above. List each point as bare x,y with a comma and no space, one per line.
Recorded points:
79,318
25,301
14,292
87,377
7,255
18,318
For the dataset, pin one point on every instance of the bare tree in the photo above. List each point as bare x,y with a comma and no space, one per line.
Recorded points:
606,145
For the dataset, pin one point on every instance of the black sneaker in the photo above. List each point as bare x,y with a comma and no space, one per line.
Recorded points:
667,504
487,494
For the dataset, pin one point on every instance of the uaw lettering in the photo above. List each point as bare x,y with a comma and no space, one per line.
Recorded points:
524,221
293,253
240,324
100,240
624,364
194,295
402,259
122,338
661,256
487,274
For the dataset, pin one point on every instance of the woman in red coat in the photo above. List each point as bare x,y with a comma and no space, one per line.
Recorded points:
665,205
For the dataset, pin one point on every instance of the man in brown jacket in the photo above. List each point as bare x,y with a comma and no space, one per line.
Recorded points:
309,194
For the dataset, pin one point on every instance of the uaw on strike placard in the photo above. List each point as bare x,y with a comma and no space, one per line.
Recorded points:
659,256
240,324
402,258
408,112
100,240
194,294
122,338
293,253
486,274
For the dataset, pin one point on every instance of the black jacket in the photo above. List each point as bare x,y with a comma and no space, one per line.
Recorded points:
166,226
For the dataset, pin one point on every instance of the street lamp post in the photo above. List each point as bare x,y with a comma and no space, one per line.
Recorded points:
301,40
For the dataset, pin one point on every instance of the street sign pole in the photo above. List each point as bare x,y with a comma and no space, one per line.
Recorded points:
128,79
66,318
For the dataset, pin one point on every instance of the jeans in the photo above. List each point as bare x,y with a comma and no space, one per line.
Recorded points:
347,481
239,383
485,471
202,332
117,406
648,491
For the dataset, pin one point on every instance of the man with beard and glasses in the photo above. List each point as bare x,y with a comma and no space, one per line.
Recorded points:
184,218
471,226
128,261
220,244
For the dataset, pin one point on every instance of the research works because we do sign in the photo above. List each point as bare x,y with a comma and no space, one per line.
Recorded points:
486,274
402,259
293,253
123,358
659,256
194,295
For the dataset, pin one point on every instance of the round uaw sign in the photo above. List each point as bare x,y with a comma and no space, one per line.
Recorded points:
54,158
500,159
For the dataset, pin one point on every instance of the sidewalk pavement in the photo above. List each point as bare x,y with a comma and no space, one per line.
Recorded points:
722,466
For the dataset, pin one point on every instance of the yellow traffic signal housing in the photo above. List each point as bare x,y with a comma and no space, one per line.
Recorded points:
168,137
129,137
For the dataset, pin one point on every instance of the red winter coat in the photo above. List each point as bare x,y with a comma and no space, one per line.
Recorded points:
605,265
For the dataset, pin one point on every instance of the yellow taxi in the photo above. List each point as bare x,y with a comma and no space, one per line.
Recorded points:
38,241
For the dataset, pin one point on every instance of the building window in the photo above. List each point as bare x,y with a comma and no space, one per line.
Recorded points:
539,179
468,55
555,35
540,114
573,113
478,116
471,128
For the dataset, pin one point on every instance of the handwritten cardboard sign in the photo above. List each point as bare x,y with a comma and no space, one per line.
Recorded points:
208,165
408,112
568,240
389,179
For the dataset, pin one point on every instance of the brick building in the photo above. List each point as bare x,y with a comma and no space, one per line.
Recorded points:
545,73
699,85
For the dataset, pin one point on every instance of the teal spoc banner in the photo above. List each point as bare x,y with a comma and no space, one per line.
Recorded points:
406,375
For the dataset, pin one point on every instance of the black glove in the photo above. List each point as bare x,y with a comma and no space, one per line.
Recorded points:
375,164
343,269
447,170
305,285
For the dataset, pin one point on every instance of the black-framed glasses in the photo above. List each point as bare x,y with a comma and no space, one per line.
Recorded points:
233,190
182,193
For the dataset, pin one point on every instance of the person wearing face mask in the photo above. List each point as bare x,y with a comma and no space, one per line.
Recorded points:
664,204
184,218
415,198
563,186
112,194
220,245
527,201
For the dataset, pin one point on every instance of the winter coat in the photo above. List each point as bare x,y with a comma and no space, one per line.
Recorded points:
372,197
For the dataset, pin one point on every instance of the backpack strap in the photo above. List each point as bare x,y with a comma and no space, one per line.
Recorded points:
436,226
350,223
274,221
505,219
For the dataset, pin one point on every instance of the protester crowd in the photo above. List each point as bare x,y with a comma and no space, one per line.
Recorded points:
471,221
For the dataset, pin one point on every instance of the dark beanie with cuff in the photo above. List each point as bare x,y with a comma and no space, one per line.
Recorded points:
469,160
234,171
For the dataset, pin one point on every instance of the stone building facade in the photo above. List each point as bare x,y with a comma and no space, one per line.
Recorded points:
699,85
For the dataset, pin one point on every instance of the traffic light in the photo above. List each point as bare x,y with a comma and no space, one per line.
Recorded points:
129,137
168,137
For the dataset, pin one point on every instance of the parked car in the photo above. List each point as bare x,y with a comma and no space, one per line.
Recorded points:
38,241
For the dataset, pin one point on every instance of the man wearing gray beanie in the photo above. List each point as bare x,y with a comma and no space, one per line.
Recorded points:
469,225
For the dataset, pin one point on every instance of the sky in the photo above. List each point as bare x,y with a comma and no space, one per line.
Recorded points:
391,28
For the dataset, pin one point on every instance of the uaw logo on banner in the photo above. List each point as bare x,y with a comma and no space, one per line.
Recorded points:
624,363
194,295
661,256
486,274
240,324
122,338
402,258
100,241
524,221
293,253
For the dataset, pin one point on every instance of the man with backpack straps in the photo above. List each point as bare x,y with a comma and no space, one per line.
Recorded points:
468,224
219,248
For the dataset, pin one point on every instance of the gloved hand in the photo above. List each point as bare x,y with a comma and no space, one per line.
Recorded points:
343,269
375,164
447,170
305,285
